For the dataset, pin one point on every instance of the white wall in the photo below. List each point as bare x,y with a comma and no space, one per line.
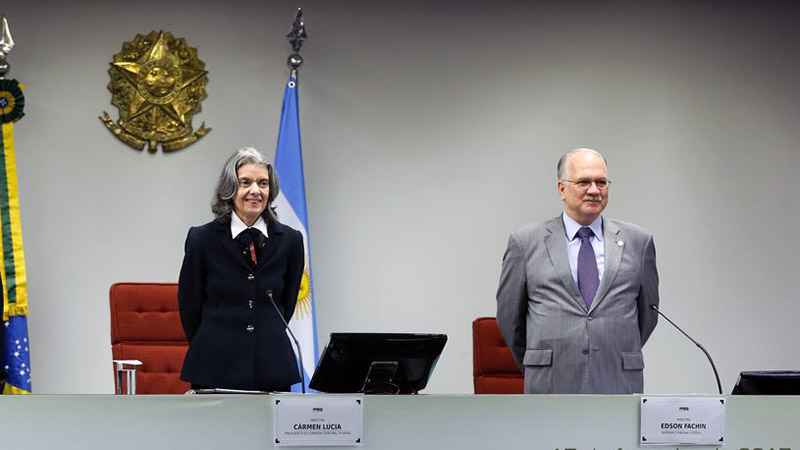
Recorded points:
431,130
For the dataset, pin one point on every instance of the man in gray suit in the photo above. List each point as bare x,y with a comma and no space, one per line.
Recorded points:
573,302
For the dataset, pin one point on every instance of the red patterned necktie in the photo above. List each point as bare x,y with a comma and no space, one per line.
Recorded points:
251,241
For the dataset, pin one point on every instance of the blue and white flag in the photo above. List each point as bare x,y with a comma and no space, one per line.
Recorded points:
291,209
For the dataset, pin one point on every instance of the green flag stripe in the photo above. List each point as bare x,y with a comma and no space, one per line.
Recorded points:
5,217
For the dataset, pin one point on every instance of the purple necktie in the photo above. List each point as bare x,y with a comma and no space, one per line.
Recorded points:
588,279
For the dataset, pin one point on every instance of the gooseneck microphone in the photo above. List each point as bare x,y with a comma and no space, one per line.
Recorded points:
716,374
296,343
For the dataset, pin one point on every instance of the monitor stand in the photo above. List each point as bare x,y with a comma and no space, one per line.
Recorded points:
380,378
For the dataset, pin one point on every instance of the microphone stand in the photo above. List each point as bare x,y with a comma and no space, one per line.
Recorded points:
716,374
296,342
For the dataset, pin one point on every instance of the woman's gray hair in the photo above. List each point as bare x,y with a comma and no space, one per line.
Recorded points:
228,184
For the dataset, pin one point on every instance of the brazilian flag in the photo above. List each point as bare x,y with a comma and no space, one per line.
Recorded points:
15,361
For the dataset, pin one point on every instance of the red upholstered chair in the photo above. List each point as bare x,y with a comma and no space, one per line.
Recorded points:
494,369
146,325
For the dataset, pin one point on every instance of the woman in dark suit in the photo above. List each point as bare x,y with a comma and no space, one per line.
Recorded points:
233,267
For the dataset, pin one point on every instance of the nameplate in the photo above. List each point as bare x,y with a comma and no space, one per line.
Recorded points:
682,420
319,420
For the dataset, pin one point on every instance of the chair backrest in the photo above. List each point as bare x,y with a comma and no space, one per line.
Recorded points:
494,369
146,325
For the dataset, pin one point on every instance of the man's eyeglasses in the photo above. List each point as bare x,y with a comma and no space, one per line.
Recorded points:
601,184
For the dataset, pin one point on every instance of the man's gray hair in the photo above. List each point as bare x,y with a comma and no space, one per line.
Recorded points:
228,184
562,163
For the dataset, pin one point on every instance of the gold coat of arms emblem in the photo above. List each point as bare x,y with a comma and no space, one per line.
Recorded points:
157,83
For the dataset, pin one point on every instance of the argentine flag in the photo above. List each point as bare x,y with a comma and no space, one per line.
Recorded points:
291,209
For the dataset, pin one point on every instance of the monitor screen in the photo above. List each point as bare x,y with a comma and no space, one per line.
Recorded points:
768,382
377,363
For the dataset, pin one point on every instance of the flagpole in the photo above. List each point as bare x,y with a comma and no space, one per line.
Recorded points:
291,203
296,38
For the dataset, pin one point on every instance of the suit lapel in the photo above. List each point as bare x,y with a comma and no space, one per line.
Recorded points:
611,240
272,243
556,242
230,244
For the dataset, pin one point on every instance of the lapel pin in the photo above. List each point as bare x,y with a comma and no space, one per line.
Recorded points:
620,243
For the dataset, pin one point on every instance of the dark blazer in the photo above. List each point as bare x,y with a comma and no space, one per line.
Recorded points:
236,338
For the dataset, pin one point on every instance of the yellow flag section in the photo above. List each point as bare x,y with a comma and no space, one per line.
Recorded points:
12,263
15,355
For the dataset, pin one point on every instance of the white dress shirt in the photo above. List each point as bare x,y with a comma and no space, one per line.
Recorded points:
574,244
237,226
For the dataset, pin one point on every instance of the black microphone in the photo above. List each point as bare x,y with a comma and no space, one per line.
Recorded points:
296,343
716,374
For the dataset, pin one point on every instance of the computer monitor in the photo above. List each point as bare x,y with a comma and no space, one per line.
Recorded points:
377,363
768,382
